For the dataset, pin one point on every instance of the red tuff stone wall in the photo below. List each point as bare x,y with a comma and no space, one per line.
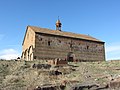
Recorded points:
51,47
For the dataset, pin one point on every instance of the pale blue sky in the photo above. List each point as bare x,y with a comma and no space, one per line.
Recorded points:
98,18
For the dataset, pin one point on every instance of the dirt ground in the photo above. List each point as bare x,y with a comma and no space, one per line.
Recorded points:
33,75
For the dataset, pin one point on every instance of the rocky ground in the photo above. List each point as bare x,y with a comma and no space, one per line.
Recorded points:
37,75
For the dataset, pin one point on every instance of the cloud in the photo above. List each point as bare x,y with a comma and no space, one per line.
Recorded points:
112,48
113,51
9,54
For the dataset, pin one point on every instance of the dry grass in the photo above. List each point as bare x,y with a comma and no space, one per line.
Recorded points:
19,75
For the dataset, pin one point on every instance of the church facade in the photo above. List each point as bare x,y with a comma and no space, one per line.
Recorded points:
45,44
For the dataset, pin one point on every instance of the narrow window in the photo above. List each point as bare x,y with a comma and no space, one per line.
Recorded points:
71,45
87,47
48,43
40,39
59,41
96,45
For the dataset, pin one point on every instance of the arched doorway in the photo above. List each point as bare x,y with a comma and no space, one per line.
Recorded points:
26,55
30,51
71,57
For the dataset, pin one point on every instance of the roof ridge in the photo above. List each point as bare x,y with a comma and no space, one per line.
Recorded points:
63,33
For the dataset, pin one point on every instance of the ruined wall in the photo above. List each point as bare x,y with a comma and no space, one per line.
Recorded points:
51,47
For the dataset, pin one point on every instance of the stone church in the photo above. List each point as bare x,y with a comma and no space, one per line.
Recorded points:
45,44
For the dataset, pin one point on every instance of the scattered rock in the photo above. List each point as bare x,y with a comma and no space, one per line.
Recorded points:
50,87
40,66
89,87
55,73
115,84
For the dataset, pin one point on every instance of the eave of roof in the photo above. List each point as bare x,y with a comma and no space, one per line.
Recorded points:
62,33
25,35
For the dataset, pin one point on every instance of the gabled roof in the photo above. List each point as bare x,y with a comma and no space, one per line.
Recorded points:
61,33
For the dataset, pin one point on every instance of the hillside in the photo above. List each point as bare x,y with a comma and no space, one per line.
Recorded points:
21,75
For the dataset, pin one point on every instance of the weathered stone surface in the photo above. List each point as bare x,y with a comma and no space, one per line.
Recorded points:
115,84
55,73
51,87
40,66
58,62
89,87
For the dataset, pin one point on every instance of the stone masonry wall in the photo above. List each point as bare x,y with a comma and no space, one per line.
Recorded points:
28,45
51,47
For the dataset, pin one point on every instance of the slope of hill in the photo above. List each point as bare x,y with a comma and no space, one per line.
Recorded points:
21,75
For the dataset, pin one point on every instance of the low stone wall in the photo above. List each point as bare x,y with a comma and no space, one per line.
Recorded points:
57,62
